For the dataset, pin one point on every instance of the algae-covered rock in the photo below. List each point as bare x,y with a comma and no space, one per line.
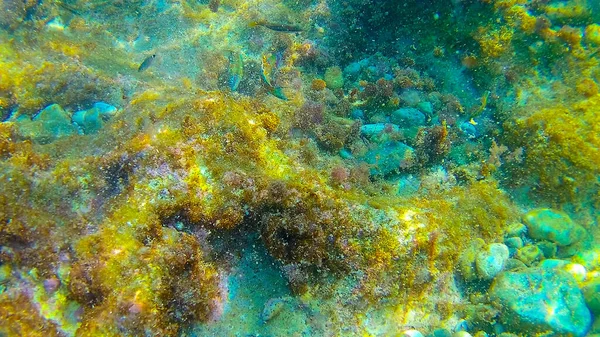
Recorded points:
408,117
554,226
371,130
591,293
48,125
589,258
539,300
529,254
91,120
389,158
577,271
425,107
491,261
334,78
466,261
516,229
514,242
548,249
512,264
440,333
481,261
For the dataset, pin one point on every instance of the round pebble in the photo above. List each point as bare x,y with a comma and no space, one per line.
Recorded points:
462,325
516,229
441,333
552,225
529,254
491,261
412,333
514,242
577,271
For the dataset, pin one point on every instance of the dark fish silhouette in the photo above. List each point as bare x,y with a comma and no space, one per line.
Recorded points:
147,63
278,27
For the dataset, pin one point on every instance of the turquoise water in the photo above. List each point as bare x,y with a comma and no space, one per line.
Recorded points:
300,168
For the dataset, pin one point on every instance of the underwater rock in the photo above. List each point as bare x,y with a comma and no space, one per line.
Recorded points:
357,114
491,261
589,258
577,271
346,154
461,325
352,70
91,120
334,78
548,249
440,333
513,242
512,264
481,261
469,130
516,229
412,333
529,254
591,294
49,124
554,226
461,334
425,107
371,130
550,264
389,158
528,296
466,261
408,117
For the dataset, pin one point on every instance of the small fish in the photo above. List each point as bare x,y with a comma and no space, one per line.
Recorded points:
278,27
147,63
236,70
472,122
278,92
480,109
267,67
68,8
279,59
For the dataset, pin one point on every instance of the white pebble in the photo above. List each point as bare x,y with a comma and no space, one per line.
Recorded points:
412,333
577,271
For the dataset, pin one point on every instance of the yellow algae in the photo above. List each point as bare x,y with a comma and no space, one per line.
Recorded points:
592,34
494,42
145,97
575,9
